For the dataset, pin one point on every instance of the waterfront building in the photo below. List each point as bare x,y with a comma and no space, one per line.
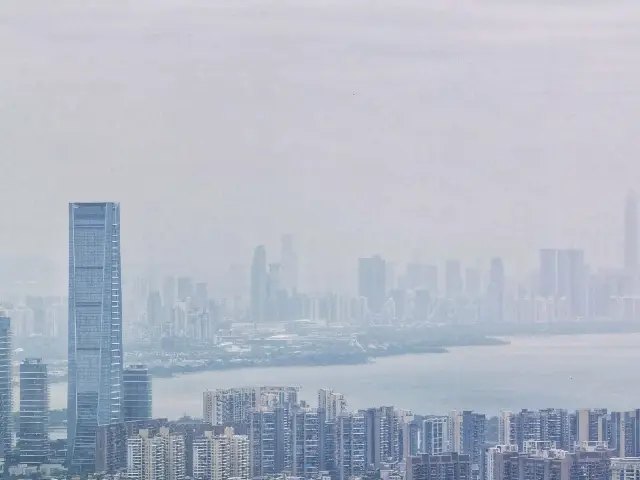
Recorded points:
95,327
137,397
6,386
449,466
33,437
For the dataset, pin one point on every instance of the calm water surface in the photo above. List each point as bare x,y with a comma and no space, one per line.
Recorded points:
531,372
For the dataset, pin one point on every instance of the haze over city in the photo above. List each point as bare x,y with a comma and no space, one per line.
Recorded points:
460,129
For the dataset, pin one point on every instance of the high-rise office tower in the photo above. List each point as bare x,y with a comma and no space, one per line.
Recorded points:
372,278
95,327
221,457
289,264
136,383
453,278
259,284
631,232
6,386
548,273
33,437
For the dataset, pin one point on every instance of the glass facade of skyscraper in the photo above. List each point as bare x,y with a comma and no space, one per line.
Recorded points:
95,327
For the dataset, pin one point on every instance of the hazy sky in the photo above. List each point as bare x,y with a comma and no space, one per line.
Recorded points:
463,128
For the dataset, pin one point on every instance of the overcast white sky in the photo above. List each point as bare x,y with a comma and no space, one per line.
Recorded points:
463,128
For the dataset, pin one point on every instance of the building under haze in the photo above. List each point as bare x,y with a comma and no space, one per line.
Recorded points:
136,387
259,284
33,437
631,232
372,277
6,386
95,327
453,281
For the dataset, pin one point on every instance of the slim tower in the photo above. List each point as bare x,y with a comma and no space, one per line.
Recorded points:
6,390
33,437
95,327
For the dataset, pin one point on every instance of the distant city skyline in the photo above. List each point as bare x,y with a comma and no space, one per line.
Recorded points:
461,130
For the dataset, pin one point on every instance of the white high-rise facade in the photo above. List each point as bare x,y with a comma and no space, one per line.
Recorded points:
156,457
221,457
332,403
95,327
233,405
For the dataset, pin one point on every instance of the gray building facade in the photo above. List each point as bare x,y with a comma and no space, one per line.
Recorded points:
33,436
136,383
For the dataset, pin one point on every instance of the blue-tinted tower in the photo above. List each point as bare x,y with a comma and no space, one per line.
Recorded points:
95,327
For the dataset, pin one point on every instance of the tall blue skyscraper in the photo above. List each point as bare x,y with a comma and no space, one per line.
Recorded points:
6,386
95,327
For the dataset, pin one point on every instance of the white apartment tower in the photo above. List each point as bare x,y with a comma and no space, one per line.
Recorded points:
221,457
332,403
234,405
156,457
